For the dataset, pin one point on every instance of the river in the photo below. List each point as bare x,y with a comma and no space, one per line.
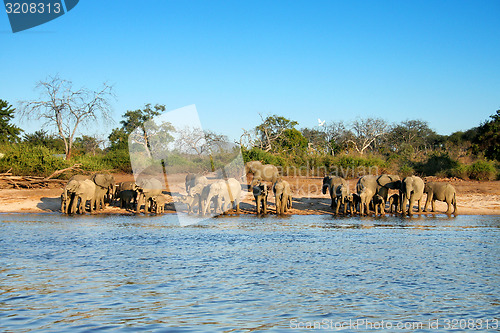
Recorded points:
247,273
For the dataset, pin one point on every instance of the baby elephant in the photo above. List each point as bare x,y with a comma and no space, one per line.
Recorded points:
378,204
260,193
442,192
127,199
394,203
158,203
353,201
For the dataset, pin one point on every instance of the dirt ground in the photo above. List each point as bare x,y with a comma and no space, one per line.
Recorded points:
473,197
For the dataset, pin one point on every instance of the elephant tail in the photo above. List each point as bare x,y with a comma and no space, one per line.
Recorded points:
454,202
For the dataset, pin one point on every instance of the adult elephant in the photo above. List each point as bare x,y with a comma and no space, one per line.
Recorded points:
412,189
64,196
266,172
339,190
283,196
105,187
377,185
194,179
442,192
228,192
78,193
147,188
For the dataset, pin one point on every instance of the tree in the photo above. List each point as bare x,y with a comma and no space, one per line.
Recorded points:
410,133
66,109
271,129
8,132
42,138
292,140
139,127
327,139
488,137
365,132
88,144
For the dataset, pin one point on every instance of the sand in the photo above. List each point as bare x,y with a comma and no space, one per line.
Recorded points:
473,198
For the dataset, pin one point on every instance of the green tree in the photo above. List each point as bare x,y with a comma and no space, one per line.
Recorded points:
42,138
488,138
140,129
88,144
8,132
411,135
271,130
293,140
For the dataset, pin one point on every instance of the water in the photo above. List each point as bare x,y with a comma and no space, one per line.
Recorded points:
245,273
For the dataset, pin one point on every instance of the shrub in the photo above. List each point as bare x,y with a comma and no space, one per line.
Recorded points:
436,164
32,160
482,170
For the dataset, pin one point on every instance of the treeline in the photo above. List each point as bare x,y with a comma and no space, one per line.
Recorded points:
409,147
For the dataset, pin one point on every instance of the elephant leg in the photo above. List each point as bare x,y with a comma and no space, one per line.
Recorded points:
429,198
432,205
448,202
337,206
264,206
419,203
410,207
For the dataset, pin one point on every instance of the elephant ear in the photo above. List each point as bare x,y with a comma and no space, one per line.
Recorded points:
384,179
100,179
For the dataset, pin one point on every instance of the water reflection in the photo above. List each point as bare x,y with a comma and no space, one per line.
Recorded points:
248,273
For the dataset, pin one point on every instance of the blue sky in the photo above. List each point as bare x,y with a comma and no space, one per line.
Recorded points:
336,60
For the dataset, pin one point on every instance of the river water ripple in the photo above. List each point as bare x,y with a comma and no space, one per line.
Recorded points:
98,273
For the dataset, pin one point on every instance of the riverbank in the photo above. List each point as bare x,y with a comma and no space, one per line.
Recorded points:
473,198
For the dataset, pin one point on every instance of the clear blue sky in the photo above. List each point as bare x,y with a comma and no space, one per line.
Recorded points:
336,60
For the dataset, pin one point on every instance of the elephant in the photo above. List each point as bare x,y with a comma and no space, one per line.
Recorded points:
228,192
266,172
283,196
354,201
127,199
124,186
341,193
394,205
105,187
442,192
412,188
146,188
365,198
193,198
193,180
332,185
78,193
64,195
377,185
378,204
158,203
260,193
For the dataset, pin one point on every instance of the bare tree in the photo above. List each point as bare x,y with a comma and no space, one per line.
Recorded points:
364,132
66,109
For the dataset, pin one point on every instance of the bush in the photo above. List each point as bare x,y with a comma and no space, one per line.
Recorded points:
439,163
482,170
32,160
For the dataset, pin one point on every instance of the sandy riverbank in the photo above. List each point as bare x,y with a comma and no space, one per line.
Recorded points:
473,198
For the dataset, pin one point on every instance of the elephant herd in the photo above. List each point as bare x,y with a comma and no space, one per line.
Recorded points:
91,193
372,192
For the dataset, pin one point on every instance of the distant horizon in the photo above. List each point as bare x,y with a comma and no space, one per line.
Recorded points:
333,60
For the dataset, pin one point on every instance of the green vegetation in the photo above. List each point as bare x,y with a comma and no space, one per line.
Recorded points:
406,148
